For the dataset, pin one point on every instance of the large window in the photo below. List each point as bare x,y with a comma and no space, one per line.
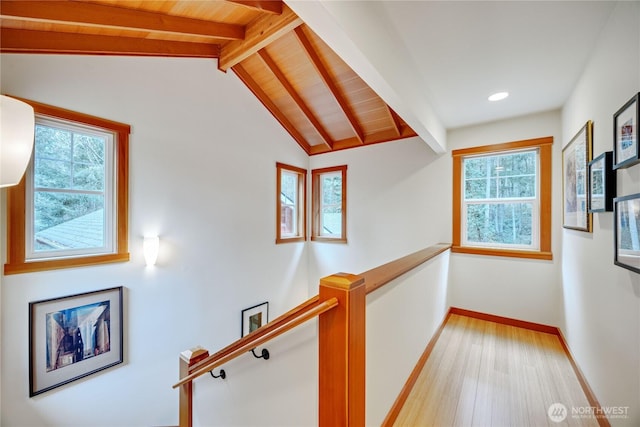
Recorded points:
71,207
329,221
291,202
502,199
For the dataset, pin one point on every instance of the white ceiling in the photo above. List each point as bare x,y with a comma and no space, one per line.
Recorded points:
465,51
436,62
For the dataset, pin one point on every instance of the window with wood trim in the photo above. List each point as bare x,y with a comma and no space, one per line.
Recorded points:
291,204
329,204
502,199
71,207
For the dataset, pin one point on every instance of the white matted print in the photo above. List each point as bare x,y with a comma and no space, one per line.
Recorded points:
72,337
254,317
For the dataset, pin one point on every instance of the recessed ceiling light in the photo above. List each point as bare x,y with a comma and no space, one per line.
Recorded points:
498,96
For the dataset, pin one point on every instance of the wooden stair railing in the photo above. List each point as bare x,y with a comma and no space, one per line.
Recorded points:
341,307
243,346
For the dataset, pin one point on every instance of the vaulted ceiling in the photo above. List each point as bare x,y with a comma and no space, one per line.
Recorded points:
316,97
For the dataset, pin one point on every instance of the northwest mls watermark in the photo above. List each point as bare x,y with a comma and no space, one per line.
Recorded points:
557,412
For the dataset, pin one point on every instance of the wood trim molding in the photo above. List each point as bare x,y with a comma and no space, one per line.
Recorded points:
538,327
544,144
315,204
591,396
302,203
16,202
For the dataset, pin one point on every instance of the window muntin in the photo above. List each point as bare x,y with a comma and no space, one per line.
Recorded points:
17,196
291,203
497,192
500,207
329,204
70,199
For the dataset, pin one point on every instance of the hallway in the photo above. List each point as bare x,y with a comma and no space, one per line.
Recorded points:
489,374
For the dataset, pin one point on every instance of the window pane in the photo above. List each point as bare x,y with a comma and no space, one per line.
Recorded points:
500,176
331,220
288,187
53,143
331,204
68,221
52,173
88,161
64,159
331,189
288,203
499,223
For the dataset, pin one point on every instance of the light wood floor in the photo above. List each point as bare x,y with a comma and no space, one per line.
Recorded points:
488,374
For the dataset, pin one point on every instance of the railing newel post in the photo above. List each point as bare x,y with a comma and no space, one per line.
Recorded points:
188,358
342,352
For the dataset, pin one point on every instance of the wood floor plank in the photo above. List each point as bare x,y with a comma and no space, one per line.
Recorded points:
482,373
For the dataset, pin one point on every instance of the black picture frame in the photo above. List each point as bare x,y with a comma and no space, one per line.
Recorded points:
576,156
254,317
627,232
602,183
626,148
73,337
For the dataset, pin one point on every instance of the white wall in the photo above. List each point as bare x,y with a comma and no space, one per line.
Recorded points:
396,205
511,287
401,319
202,175
601,302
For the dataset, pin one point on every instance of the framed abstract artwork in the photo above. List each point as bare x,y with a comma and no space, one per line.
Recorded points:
576,156
72,337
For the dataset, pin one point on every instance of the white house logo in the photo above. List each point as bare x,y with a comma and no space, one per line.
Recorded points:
557,412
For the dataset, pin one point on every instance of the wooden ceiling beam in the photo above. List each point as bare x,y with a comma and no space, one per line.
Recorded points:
271,106
28,41
329,82
394,119
258,34
268,6
103,16
273,67
376,138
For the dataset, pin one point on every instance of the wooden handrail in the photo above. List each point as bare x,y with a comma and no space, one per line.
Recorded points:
300,317
275,323
379,276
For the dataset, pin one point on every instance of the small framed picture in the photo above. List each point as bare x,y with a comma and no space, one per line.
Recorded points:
626,150
602,180
72,337
254,317
627,232
575,180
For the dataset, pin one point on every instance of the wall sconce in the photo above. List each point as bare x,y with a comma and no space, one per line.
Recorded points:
17,126
150,248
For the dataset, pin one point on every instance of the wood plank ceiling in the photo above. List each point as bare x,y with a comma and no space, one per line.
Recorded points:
314,95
